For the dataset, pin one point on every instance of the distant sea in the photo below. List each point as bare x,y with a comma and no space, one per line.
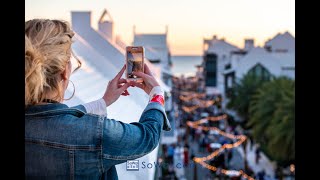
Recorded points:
185,65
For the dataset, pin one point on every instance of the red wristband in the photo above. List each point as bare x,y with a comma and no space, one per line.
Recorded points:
158,99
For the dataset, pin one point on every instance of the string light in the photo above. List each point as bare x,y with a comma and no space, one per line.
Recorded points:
197,125
240,139
206,103
217,118
189,109
202,105
187,99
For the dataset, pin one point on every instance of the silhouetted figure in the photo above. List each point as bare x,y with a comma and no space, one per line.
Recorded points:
261,175
230,155
235,178
186,155
195,175
258,156
170,152
204,143
279,173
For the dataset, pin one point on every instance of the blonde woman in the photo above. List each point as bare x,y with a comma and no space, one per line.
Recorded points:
79,142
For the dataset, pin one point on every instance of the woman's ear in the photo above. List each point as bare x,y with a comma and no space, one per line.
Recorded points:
64,75
66,72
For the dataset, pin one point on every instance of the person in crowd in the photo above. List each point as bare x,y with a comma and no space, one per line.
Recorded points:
170,153
261,175
257,153
186,154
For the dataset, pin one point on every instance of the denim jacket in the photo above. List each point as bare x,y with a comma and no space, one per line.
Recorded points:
64,142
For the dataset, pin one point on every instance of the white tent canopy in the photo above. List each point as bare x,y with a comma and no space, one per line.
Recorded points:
102,59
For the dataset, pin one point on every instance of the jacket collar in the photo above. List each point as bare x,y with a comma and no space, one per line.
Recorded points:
34,109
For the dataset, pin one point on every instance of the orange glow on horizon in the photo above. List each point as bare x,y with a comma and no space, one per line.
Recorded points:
189,21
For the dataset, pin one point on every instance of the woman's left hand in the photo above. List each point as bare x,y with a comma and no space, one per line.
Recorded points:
116,87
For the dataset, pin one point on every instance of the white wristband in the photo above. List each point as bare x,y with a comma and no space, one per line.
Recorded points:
98,107
157,90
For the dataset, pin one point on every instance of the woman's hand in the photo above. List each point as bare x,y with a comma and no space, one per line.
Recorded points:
116,87
148,80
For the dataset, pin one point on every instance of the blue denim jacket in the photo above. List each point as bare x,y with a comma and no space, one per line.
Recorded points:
68,143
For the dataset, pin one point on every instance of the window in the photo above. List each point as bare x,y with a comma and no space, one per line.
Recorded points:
260,71
268,48
227,66
288,68
211,79
211,62
211,66
281,50
211,69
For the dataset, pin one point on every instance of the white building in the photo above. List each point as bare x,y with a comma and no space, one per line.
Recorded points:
277,58
102,58
257,56
106,25
157,43
281,43
229,63
216,53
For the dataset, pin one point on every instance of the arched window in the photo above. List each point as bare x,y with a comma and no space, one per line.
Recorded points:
260,71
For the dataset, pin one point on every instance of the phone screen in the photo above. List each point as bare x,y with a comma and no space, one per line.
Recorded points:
135,63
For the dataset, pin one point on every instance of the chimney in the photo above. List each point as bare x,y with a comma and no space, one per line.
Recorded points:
105,25
81,20
248,44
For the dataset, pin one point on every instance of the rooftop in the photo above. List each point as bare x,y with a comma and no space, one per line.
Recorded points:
282,42
151,40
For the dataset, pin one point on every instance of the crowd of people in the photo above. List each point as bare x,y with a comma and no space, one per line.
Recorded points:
202,142
190,106
190,102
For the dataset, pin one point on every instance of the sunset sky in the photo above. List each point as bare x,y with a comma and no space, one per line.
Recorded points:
189,21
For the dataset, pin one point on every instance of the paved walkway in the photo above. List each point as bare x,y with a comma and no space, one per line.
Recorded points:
193,171
264,162
237,161
202,172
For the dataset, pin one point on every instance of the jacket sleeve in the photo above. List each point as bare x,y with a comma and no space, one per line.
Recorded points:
123,141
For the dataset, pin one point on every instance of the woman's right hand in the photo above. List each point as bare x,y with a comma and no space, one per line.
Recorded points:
148,80
116,87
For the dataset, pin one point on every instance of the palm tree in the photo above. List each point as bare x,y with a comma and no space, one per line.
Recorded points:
272,115
242,93
281,131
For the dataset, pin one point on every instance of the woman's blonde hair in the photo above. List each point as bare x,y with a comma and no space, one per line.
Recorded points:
47,52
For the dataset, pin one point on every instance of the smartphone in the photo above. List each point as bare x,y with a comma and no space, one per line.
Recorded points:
134,62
